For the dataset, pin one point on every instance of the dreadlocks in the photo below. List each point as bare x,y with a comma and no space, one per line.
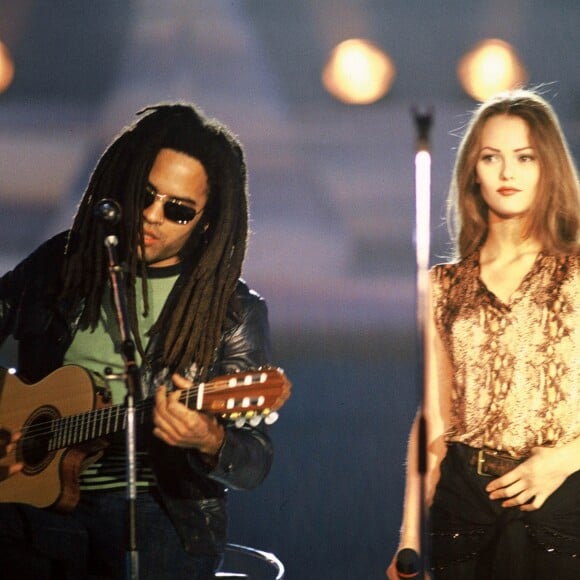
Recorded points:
212,258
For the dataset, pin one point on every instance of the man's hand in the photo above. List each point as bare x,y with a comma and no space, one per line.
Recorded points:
531,483
7,442
181,427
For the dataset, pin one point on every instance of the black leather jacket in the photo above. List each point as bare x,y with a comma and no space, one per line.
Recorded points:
193,493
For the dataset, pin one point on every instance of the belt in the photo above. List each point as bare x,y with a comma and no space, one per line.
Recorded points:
490,462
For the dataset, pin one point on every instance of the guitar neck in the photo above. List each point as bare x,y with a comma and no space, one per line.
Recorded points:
250,395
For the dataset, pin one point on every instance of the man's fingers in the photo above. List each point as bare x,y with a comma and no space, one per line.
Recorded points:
8,470
181,382
5,438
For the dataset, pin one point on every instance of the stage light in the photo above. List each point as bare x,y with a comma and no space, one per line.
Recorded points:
358,72
6,68
490,67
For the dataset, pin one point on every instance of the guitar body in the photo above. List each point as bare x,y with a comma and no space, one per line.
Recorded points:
49,477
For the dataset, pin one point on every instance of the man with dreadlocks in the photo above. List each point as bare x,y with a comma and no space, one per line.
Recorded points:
180,181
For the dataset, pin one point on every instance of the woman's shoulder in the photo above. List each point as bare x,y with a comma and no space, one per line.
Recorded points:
455,268
573,263
562,262
574,259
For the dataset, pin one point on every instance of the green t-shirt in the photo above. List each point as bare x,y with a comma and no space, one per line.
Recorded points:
100,349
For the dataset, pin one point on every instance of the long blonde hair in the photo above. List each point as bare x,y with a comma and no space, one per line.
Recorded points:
555,216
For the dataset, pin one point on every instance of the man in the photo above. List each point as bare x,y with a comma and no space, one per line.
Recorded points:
179,180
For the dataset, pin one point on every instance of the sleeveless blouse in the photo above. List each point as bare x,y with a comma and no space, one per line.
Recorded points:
516,365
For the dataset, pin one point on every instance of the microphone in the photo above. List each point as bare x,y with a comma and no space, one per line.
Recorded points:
408,563
423,121
108,211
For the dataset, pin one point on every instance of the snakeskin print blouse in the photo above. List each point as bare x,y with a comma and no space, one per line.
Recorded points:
516,366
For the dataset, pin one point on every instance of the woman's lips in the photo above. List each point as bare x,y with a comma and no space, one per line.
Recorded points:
508,190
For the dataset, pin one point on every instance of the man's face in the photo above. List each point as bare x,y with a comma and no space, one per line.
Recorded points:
175,178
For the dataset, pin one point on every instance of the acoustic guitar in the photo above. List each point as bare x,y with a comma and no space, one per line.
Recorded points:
63,420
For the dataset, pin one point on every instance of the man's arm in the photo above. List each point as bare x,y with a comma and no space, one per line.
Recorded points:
239,458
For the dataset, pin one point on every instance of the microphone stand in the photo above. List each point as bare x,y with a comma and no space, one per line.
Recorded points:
423,121
109,212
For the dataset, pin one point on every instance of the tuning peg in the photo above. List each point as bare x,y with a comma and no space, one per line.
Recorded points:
255,420
271,418
240,422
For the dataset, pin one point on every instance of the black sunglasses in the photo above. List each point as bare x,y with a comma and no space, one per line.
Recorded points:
173,209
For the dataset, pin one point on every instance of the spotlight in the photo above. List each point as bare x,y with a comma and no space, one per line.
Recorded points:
490,67
358,72
6,68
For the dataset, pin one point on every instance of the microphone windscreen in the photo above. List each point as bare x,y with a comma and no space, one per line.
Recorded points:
108,211
408,563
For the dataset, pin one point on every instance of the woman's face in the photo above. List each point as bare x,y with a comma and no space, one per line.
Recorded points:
507,168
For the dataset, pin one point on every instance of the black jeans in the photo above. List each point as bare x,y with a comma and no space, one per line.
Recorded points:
474,538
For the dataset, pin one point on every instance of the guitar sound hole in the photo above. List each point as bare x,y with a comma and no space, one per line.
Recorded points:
33,448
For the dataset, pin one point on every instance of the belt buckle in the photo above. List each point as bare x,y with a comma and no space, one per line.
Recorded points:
481,458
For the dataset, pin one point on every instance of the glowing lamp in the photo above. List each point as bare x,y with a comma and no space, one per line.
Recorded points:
490,67
358,72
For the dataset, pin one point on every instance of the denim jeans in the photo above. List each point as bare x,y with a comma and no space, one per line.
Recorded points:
474,538
91,542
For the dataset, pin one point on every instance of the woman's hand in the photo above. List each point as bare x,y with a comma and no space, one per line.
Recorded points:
531,483
391,572
179,426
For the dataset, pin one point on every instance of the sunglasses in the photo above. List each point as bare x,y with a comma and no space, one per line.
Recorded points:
173,209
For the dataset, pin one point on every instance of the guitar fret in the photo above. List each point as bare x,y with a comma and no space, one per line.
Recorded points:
62,433
102,416
51,444
82,430
61,426
114,417
117,428
87,425
108,429
73,430
76,428
65,432
78,433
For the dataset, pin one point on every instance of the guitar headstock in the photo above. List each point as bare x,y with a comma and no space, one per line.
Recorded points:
249,396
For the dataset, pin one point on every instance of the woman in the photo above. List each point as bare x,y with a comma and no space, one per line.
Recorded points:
503,342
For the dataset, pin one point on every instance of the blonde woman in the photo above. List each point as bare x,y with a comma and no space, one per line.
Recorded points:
503,358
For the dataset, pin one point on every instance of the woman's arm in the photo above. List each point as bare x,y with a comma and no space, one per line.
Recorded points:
436,413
